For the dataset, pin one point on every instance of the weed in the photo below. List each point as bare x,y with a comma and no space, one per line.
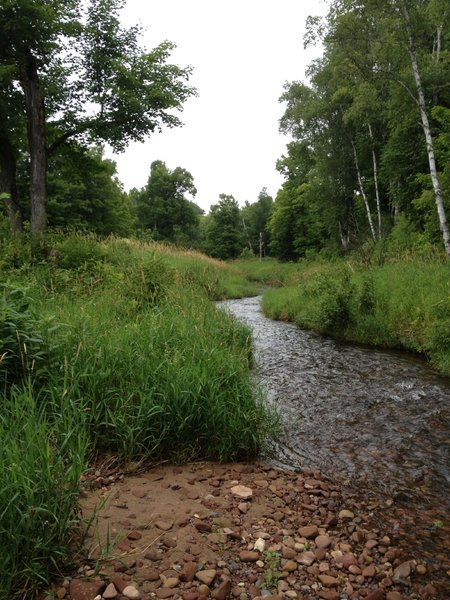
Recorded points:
272,573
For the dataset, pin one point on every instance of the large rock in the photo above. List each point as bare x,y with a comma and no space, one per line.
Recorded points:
85,590
242,492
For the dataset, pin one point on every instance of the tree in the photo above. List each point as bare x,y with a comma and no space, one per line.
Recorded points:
357,139
83,191
163,208
84,77
255,218
224,234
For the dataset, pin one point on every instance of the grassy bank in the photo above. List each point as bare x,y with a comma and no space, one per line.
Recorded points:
113,347
403,305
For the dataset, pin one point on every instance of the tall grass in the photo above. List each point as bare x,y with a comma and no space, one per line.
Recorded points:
42,455
402,305
111,346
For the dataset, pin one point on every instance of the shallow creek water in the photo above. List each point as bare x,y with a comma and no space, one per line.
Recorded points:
376,420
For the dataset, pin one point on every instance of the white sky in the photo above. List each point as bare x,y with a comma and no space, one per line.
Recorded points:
242,52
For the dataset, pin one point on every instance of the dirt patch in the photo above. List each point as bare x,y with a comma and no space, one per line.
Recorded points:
195,532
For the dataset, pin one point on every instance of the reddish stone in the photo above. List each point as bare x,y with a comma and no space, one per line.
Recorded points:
222,591
188,572
376,595
85,590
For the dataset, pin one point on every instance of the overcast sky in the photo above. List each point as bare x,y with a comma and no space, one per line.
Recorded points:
242,52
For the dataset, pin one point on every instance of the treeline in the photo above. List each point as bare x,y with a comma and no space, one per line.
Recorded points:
370,150
368,163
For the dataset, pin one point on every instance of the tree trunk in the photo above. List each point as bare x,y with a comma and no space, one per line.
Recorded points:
363,194
34,102
443,223
375,179
8,185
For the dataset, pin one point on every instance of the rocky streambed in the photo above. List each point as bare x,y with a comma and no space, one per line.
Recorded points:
246,531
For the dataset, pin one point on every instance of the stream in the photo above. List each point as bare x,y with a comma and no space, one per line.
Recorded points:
373,420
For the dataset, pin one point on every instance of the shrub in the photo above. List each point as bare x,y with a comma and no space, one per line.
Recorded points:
24,350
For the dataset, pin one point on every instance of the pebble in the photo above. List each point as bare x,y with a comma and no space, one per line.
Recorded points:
248,556
346,514
306,558
290,566
322,541
164,593
376,595
188,571
222,591
328,581
402,572
131,592
207,576
164,525
85,590
110,591
308,532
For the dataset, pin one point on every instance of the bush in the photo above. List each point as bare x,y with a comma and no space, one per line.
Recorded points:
24,350
78,252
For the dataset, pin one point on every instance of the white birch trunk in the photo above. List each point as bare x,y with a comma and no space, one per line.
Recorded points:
363,193
443,223
375,179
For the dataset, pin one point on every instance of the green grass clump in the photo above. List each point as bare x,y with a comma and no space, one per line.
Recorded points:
43,454
269,272
111,346
403,305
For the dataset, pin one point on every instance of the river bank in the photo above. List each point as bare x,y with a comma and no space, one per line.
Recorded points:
245,531
398,303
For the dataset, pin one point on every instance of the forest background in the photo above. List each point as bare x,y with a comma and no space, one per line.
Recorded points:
368,163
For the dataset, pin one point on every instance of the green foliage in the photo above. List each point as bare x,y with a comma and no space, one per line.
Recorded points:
83,193
24,348
78,251
91,82
333,295
358,140
224,236
397,305
273,565
163,208
43,454
255,218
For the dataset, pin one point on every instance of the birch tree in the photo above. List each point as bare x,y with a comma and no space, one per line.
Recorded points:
402,7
